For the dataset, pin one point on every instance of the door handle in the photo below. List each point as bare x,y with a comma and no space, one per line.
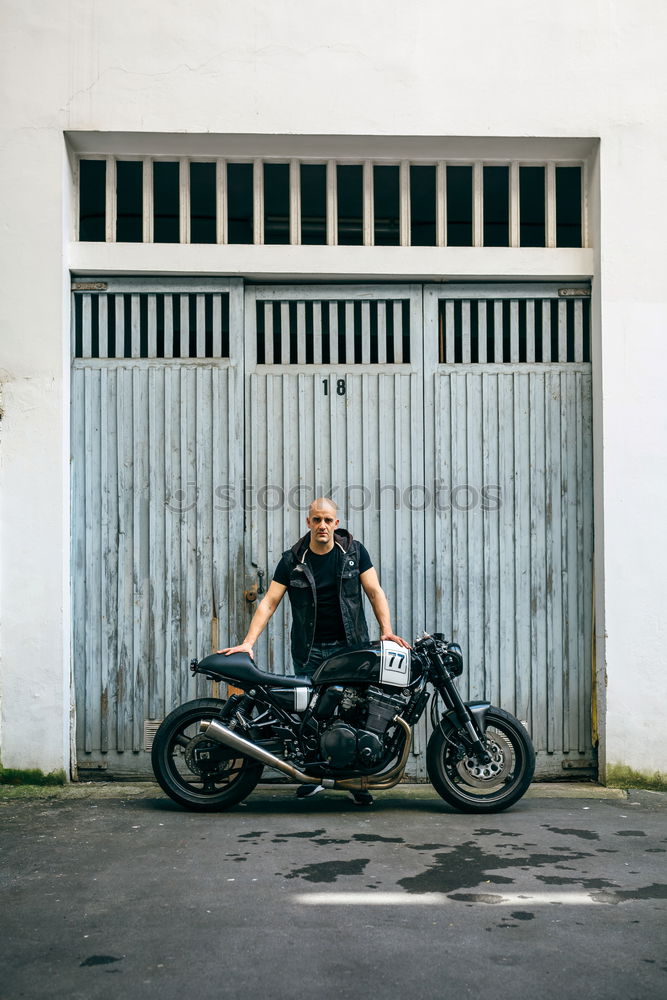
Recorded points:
257,589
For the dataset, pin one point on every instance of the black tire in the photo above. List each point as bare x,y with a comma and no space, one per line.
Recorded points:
483,789
206,785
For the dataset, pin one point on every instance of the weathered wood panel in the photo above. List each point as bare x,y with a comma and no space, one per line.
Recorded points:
510,445
157,548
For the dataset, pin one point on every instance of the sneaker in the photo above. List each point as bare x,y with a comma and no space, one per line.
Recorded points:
306,791
361,798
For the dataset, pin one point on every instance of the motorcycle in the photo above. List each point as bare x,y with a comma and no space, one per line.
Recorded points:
348,728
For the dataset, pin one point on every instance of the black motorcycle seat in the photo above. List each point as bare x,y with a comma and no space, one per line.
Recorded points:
241,667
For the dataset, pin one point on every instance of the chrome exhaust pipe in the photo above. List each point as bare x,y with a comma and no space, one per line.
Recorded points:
216,731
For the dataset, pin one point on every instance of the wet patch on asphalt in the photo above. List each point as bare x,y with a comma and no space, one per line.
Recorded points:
99,960
585,883
583,834
630,833
372,838
466,866
329,871
658,890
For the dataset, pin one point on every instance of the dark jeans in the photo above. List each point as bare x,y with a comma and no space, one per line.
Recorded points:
319,652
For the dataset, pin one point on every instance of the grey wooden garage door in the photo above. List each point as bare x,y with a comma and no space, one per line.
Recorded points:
452,425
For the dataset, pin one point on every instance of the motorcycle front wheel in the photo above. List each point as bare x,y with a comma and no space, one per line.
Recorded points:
195,771
477,787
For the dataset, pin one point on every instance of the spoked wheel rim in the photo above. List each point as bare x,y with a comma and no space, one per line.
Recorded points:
198,764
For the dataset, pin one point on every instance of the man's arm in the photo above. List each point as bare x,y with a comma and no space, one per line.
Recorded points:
260,619
377,597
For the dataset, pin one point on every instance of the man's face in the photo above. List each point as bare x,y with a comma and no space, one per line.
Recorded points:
322,522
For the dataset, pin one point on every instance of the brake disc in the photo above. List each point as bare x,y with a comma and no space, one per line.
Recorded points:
499,748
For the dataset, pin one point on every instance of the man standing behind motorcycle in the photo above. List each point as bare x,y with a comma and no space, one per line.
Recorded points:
323,575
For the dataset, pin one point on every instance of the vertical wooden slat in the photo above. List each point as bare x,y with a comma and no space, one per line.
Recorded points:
506,476
284,333
498,333
216,316
490,445
365,333
168,301
465,332
317,333
92,548
514,331
522,552
86,326
184,307
450,332
578,331
201,326
103,325
569,578
554,563
268,332
468,499
139,559
546,331
530,331
349,333
119,317
301,333
135,326
459,539
151,314
398,332
538,564
562,331
155,646
382,332
333,332
481,331
126,610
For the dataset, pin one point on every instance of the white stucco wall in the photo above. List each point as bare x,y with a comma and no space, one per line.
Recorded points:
378,68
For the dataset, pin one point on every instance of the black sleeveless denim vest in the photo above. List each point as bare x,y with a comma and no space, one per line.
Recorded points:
303,596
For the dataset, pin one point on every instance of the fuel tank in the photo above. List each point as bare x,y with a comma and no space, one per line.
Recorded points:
372,663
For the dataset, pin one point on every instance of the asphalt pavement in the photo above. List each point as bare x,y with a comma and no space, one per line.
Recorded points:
114,891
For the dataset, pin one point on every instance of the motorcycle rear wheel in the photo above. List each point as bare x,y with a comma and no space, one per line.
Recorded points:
197,772
469,785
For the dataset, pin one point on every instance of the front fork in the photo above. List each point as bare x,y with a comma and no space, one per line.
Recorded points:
469,719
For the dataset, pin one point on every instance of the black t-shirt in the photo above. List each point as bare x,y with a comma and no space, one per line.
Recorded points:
329,622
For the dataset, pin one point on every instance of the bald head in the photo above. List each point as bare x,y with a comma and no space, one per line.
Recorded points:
323,503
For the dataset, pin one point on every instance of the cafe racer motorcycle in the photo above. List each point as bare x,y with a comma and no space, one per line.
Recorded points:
348,728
